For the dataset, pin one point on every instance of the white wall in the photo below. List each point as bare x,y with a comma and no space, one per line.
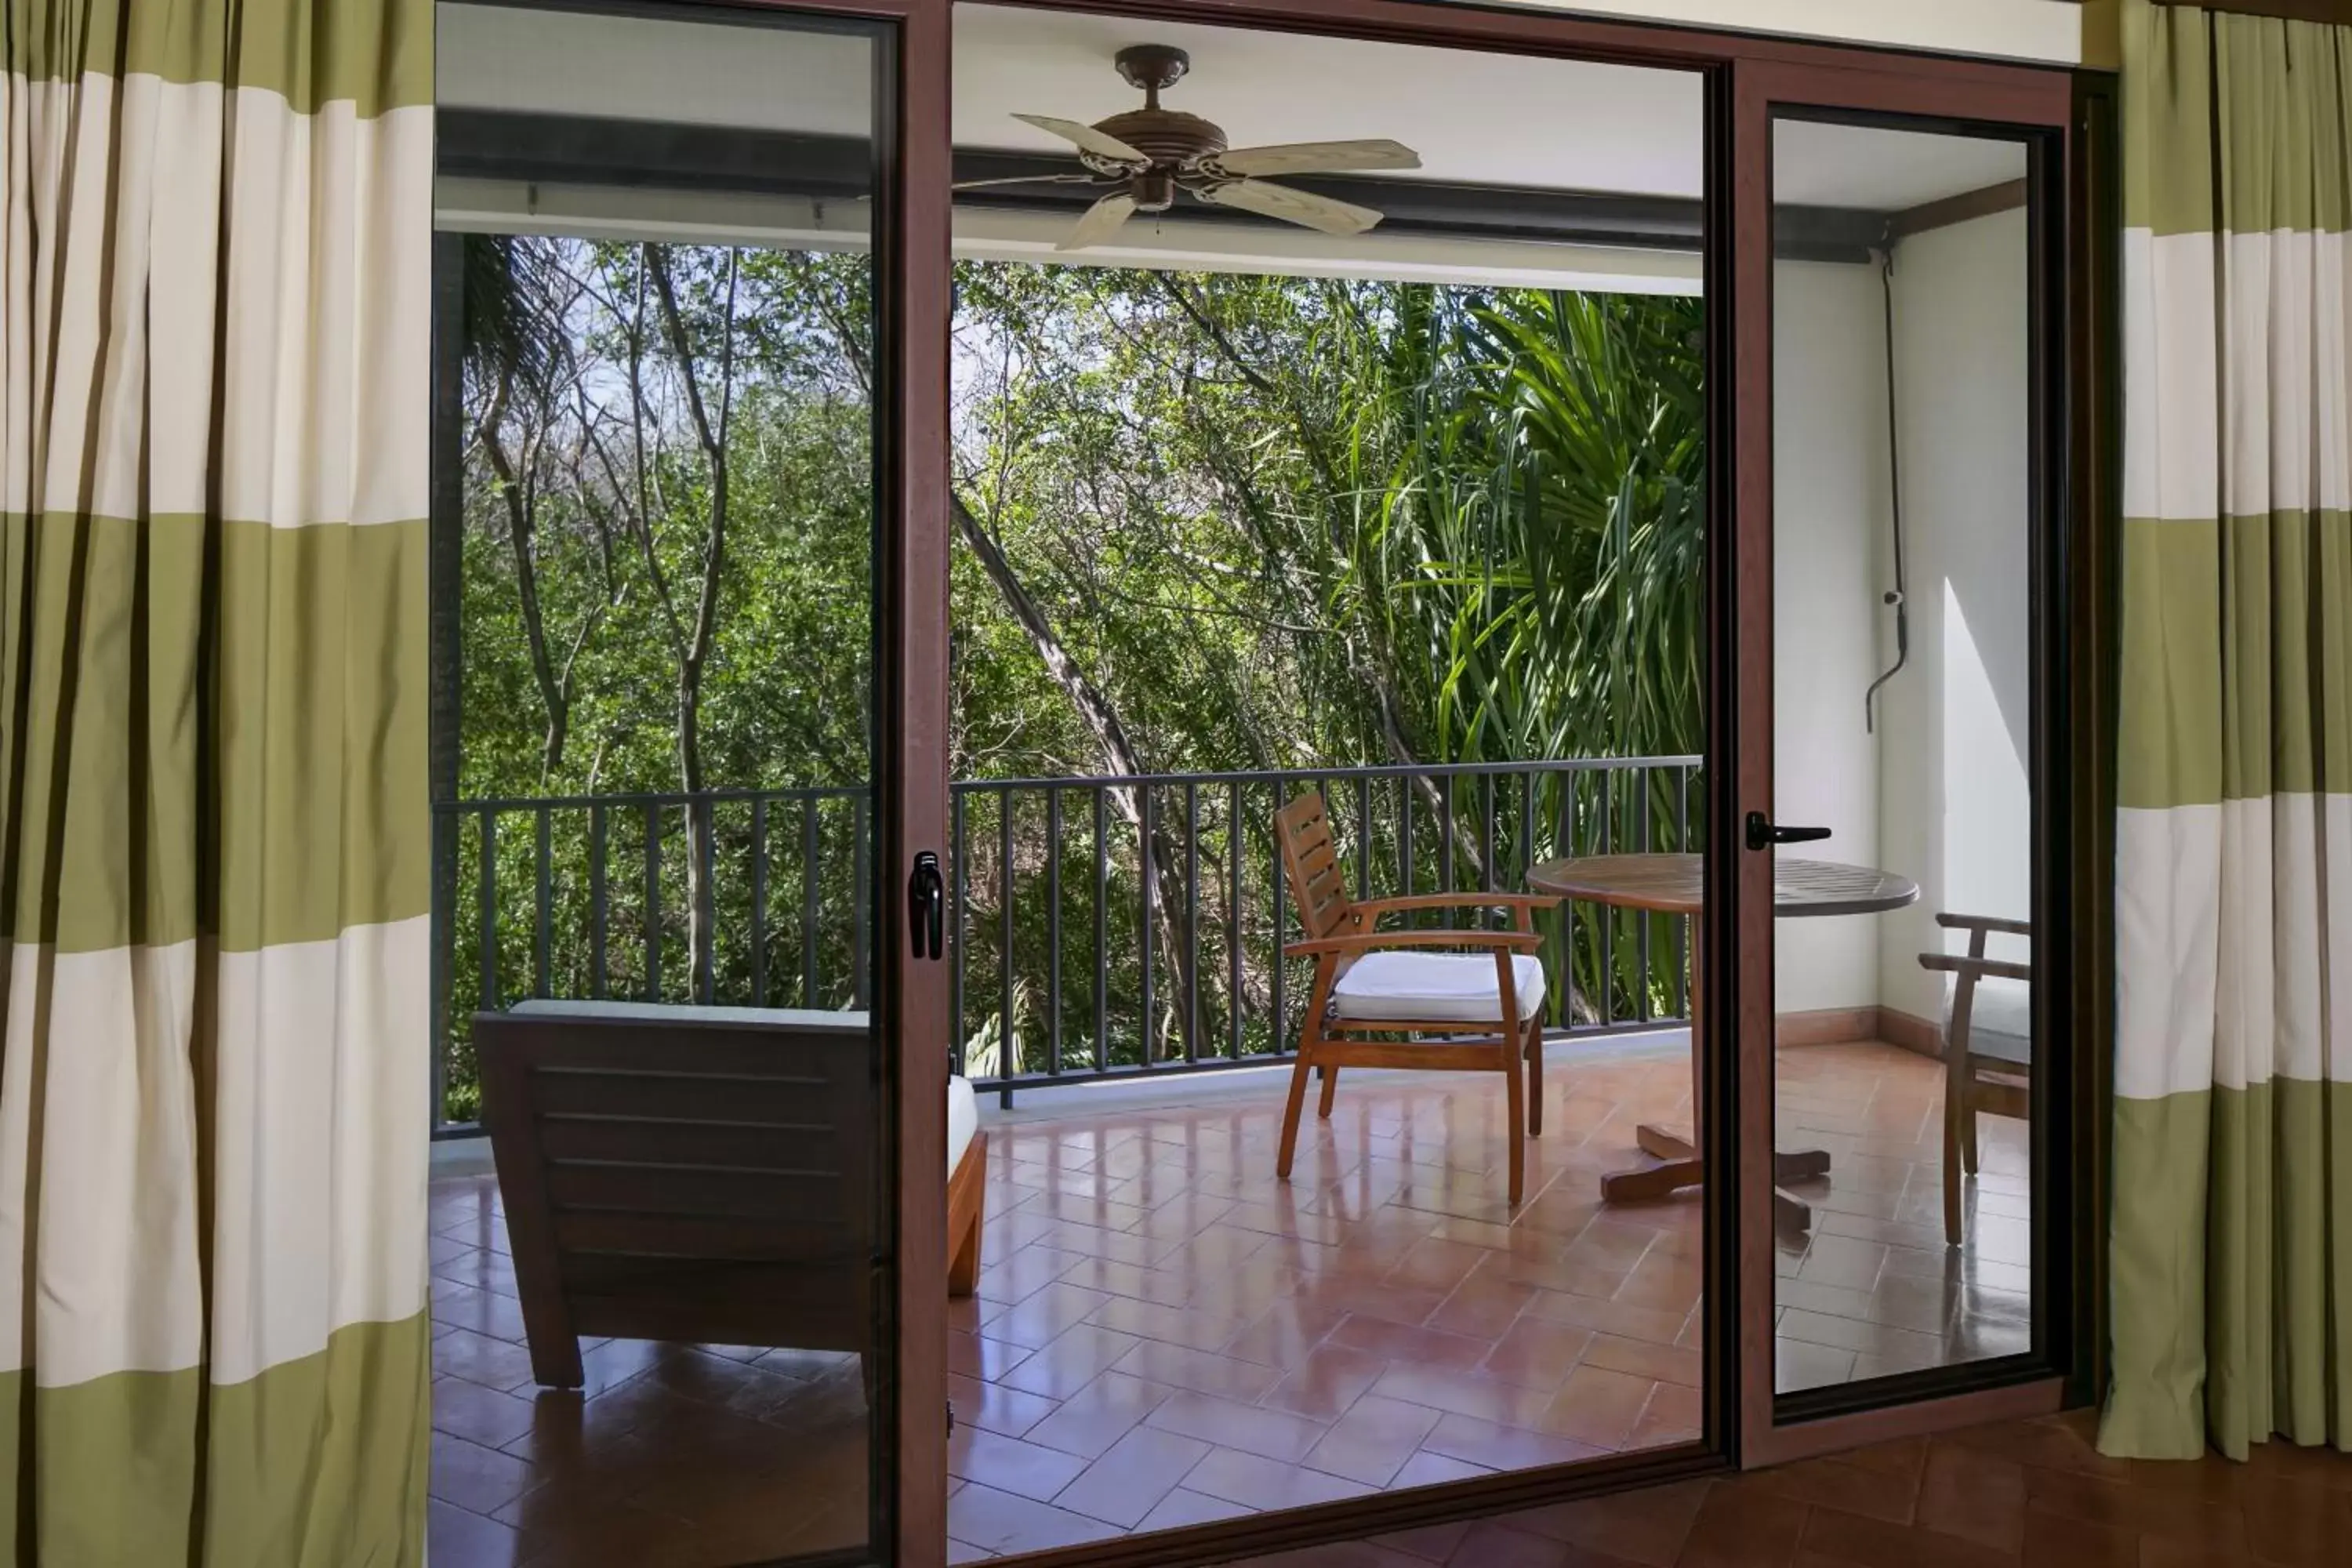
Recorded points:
1829,501
2020,30
1954,811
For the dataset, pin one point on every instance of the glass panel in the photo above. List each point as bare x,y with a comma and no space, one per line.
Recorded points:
656,439
1267,505
1902,508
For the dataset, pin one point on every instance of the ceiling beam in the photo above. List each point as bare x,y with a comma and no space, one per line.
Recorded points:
550,149
1986,200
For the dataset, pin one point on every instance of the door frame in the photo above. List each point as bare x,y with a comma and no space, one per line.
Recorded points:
913,303
1742,72
2069,469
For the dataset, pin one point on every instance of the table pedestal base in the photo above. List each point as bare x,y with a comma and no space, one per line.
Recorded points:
1680,1166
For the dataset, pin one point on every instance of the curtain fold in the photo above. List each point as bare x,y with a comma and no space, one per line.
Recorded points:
2230,1236
214,277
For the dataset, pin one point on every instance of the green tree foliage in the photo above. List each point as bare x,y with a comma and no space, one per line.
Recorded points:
1204,523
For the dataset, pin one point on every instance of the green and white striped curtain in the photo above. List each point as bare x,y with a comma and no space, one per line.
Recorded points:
2231,1241
214,240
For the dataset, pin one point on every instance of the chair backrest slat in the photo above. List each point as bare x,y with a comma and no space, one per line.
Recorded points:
1310,861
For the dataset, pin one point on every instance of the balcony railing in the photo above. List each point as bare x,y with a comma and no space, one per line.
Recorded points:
1099,927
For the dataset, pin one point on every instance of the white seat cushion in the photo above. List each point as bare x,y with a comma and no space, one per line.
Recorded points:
963,1120
2001,1019
1435,987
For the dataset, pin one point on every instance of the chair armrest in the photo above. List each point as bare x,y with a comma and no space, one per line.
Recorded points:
1375,908
1982,968
1376,942
1950,921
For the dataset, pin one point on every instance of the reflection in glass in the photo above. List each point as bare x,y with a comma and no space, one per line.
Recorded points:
657,436
1901,511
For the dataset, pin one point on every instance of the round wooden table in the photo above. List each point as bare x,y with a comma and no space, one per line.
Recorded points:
1674,884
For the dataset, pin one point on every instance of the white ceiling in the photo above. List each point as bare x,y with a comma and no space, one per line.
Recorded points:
1822,165
752,73
1475,118
1479,119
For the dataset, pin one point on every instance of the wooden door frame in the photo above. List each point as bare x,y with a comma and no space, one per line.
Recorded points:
915,299
2068,424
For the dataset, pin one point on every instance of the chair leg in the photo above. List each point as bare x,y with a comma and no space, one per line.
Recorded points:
1535,1078
1330,1089
1515,1093
1967,1134
1952,1115
1290,1113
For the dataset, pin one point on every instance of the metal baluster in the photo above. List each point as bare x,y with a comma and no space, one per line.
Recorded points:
1528,786
544,905
759,900
599,898
485,899
1151,889
1605,914
956,912
861,905
1404,836
1054,930
443,961
652,902
1102,932
1363,837
1192,956
1486,827
1007,1061
1681,923
706,901
1278,1025
812,848
1233,918
1445,831
1641,828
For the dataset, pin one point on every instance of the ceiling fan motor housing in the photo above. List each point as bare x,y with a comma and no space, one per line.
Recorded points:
1168,137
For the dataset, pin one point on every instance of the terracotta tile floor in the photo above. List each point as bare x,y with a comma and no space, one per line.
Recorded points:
2034,1493
1872,1289
1165,1335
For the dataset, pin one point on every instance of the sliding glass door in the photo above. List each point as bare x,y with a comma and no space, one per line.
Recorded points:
691,599
1903,616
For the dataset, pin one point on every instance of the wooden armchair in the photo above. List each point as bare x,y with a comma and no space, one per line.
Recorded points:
1988,1045
1368,982
698,1174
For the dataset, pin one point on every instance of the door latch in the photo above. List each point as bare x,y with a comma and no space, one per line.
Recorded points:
1762,833
926,906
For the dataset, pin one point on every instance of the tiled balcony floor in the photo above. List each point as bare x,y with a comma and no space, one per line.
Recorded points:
1166,1334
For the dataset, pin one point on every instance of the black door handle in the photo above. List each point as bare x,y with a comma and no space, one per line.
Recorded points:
926,906
1762,833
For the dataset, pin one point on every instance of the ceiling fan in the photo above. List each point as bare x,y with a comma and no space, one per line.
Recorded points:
1142,158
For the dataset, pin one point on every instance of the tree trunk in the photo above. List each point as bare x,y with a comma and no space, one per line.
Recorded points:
522,528
1164,849
711,434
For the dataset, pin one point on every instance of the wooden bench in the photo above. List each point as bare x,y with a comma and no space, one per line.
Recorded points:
703,1174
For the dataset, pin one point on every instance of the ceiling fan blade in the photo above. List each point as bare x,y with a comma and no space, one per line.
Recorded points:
1026,179
1101,221
1311,158
1085,138
1270,200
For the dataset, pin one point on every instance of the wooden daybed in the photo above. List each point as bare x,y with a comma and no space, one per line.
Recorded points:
697,1174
